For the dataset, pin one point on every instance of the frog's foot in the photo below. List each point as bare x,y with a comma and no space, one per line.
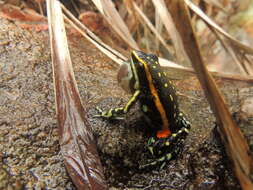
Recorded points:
161,160
165,149
110,114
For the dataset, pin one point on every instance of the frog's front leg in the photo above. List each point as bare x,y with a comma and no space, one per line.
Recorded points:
117,112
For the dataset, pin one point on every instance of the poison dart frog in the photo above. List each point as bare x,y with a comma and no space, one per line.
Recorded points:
144,78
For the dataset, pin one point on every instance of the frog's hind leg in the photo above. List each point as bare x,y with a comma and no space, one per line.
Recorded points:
165,149
161,160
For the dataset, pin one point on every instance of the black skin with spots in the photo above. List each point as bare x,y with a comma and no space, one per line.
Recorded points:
165,93
142,66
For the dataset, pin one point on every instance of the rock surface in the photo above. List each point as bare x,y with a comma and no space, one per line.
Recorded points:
30,155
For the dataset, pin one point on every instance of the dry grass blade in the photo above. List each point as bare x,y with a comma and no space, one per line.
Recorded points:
246,64
230,51
237,49
169,25
158,27
112,16
208,21
77,143
151,27
233,139
99,5
216,3
170,64
107,50
119,58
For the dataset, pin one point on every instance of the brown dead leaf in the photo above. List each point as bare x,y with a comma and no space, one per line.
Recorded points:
78,146
14,13
94,21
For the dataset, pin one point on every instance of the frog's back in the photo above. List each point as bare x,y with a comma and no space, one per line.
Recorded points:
155,86
166,92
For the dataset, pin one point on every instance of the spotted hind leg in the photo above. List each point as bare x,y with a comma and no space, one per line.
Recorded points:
162,160
165,149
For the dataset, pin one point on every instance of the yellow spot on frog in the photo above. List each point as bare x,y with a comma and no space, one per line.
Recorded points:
166,85
144,108
171,98
154,93
159,75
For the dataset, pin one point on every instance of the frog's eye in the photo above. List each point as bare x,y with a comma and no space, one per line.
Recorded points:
125,77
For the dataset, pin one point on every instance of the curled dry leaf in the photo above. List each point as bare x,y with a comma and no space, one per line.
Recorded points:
77,143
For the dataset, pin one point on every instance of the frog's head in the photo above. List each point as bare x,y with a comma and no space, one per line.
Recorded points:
129,72
140,58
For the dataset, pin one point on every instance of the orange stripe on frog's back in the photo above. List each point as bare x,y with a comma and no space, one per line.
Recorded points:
165,128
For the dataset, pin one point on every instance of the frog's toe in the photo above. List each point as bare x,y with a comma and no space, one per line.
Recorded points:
160,161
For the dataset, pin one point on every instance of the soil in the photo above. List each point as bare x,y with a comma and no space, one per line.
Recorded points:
30,156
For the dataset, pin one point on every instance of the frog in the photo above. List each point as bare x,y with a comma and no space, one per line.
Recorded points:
146,80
